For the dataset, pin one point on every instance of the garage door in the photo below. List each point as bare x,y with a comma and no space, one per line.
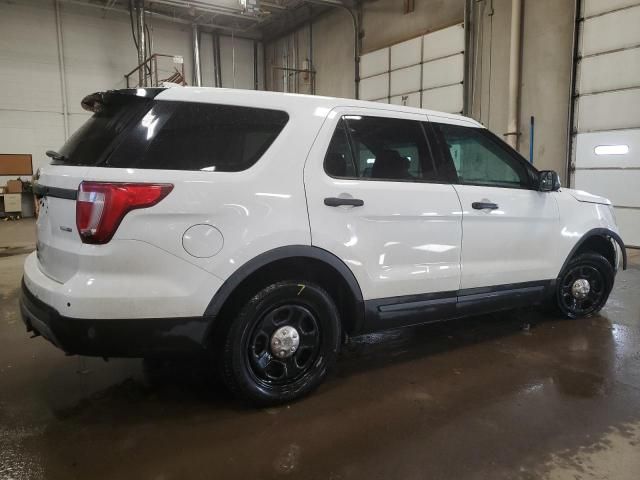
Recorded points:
607,115
426,72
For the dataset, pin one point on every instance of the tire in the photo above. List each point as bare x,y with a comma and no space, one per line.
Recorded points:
578,300
267,327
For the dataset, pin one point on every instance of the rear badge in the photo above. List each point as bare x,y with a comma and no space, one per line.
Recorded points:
65,229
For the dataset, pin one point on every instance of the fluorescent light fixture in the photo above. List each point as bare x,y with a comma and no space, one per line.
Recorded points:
612,149
371,160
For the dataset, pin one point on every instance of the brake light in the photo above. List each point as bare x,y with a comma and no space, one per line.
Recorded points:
101,206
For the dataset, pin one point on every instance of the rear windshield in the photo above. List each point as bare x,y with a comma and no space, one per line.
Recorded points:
176,136
96,139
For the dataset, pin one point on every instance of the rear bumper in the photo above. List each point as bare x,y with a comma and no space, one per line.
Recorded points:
114,337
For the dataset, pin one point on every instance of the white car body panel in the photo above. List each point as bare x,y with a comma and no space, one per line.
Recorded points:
576,219
583,196
404,240
512,244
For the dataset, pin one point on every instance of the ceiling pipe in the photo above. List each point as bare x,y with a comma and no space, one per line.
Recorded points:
63,76
274,6
311,65
577,20
256,81
142,43
208,8
217,72
513,127
197,72
468,52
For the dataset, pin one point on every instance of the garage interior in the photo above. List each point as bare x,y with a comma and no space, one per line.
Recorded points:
510,395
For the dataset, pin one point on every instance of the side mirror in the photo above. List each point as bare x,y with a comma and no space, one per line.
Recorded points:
548,181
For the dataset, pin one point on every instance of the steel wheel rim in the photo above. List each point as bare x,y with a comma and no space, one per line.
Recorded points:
592,300
264,365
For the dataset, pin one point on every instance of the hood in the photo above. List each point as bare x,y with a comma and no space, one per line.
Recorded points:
587,197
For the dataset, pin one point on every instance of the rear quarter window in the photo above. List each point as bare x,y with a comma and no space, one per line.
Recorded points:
96,139
198,136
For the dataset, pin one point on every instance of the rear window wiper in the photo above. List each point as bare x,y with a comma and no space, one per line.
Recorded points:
58,157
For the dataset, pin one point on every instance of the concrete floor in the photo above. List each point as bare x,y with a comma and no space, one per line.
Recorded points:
514,395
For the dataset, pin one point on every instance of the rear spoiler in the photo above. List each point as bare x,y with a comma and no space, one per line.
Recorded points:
95,101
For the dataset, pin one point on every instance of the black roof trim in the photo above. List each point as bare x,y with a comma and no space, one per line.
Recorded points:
92,101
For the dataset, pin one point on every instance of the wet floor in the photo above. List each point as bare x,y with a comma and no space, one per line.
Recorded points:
517,395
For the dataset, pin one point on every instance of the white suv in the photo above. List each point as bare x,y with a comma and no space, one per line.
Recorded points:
264,228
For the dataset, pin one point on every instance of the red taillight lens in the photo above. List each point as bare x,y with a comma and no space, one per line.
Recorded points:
100,206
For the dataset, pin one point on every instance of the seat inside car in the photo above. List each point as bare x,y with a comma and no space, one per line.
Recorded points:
390,164
338,165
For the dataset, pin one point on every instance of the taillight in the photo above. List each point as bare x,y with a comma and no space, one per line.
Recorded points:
101,206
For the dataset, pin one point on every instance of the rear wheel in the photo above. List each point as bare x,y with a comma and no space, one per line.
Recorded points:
282,343
584,285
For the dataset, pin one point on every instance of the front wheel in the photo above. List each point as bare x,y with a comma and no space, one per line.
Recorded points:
281,344
584,286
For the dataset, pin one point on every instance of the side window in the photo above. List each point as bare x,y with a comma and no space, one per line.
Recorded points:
199,136
480,159
381,149
338,161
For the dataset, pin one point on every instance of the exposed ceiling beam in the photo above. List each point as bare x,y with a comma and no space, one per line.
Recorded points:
201,7
333,3
240,31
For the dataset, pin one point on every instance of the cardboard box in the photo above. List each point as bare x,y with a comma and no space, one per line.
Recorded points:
14,186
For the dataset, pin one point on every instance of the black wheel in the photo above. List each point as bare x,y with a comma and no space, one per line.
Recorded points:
281,344
584,285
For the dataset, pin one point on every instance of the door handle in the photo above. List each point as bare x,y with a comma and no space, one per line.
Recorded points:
337,202
484,205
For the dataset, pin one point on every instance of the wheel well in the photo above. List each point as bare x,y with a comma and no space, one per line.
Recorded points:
293,268
599,244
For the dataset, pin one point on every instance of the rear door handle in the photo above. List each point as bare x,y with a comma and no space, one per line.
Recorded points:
484,205
337,202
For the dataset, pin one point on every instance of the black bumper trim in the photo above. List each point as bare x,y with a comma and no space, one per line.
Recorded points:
143,337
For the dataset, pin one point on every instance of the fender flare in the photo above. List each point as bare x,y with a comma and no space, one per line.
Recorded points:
281,253
598,232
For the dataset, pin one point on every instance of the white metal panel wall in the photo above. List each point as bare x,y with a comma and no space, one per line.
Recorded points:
427,71
374,63
375,88
408,100
405,80
406,53
443,43
608,108
595,7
